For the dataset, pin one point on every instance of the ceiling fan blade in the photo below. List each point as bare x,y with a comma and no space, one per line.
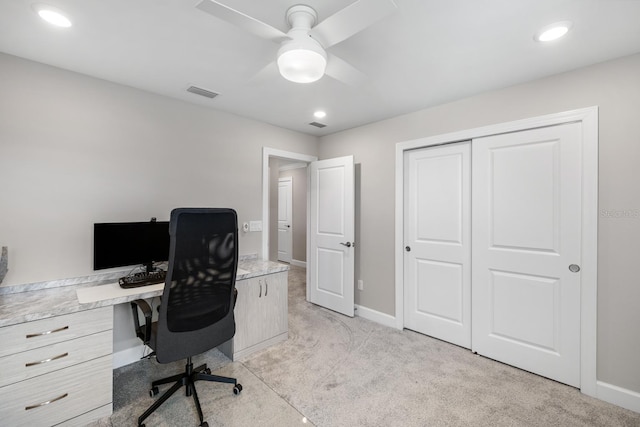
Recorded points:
351,20
266,75
344,72
242,20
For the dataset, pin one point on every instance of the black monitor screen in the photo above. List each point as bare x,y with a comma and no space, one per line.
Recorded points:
119,244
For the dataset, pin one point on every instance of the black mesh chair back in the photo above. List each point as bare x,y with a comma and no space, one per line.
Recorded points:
196,313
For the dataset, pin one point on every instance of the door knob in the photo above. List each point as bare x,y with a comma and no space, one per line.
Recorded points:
288,226
574,268
348,244
407,248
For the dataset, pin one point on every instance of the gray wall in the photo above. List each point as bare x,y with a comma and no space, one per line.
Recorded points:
75,150
613,86
299,226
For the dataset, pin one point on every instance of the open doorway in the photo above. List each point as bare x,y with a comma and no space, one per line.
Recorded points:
288,209
293,166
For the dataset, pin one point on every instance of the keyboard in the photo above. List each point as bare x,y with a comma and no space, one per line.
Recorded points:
142,279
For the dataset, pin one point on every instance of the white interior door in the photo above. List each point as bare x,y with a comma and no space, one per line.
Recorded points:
526,250
437,236
330,261
285,219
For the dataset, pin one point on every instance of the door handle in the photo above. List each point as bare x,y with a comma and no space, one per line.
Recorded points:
348,244
574,268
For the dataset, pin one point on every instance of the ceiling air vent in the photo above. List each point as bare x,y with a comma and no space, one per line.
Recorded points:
318,125
202,92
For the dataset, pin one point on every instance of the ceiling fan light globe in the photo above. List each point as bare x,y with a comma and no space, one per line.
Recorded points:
302,65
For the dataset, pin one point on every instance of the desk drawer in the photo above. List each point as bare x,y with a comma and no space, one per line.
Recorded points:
70,392
39,333
28,364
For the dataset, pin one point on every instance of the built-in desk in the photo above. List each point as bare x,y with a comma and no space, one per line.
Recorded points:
54,333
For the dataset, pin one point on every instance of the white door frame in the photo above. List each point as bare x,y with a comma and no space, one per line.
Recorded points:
588,117
280,154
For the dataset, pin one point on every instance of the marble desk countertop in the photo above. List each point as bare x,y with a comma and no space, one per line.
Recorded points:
24,303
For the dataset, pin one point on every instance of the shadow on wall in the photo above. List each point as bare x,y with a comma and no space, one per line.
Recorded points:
4,263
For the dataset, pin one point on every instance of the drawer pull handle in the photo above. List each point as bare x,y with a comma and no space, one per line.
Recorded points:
46,403
60,356
39,334
260,283
266,287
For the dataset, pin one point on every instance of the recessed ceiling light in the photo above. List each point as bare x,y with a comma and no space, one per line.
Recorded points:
52,15
553,31
319,114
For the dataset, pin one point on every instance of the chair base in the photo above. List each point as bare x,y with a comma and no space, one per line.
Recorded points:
187,379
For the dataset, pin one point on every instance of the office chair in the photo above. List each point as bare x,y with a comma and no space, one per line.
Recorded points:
196,313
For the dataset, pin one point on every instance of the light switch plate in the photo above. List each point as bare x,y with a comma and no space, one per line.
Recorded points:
255,226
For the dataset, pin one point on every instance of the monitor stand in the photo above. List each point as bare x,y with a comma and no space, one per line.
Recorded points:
149,267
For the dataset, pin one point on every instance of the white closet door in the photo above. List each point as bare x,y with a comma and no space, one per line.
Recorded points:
526,250
437,258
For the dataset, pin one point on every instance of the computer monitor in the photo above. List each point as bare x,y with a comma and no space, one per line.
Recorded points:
120,244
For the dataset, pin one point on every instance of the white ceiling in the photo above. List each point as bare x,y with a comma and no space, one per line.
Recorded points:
426,53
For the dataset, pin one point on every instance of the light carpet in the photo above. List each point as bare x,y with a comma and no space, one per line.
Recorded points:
340,371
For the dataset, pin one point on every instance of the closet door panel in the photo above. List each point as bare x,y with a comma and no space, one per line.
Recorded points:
437,293
526,235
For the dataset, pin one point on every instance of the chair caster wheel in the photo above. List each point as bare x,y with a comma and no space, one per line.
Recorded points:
154,392
237,389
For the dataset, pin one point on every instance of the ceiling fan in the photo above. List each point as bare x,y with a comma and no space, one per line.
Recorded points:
302,56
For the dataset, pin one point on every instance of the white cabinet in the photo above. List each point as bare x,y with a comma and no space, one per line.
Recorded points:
261,314
57,370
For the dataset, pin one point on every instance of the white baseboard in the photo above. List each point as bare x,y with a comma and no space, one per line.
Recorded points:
375,316
128,356
619,396
297,263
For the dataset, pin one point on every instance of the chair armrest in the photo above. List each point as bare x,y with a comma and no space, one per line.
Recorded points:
143,332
